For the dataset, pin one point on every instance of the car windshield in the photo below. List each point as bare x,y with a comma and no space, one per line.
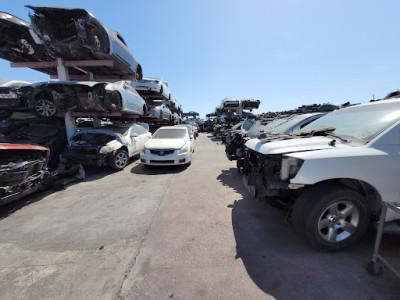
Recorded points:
289,123
360,122
170,134
275,123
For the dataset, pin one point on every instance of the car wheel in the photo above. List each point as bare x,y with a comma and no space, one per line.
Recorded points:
330,217
119,160
45,107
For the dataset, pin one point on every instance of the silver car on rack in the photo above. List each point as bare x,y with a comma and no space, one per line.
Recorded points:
154,88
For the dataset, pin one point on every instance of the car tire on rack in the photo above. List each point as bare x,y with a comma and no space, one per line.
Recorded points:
330,216
45,107
119,160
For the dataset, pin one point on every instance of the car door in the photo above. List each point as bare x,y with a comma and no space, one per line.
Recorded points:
132,140
134,104
139,137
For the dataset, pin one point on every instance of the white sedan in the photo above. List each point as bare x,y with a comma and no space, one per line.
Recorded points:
169,145
109,145
152,88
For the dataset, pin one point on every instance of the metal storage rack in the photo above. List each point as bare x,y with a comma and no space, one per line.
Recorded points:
63,75
374,267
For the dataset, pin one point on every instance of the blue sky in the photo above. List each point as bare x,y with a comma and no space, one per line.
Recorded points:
285,53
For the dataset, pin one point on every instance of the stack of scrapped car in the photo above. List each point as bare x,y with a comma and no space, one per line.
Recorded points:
333,174
23,170
53,99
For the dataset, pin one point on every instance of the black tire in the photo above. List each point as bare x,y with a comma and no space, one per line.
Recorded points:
119,160
45,107
318,217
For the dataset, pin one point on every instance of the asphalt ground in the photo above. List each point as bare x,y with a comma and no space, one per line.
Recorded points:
175,233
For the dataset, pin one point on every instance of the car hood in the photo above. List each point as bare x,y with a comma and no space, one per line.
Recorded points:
293,145
165,143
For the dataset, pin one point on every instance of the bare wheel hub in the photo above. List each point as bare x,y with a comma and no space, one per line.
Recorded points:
338,221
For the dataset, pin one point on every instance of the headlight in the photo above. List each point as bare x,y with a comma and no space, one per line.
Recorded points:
290,166
184,149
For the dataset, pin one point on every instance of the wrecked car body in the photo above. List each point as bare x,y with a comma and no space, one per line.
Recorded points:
152,88
9,99
49,99
228,103
333,174
159,109
111,146
23,170
26,129
235,149
250,104
18,41
75,34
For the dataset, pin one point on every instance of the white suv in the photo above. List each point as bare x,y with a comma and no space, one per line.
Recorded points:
334,173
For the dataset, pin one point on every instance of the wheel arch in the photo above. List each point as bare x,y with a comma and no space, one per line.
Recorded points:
373,197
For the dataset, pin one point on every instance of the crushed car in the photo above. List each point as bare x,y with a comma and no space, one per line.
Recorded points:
54,98
6,92
75,34
23,170
250,104
22,128
333,174
111,145
19,43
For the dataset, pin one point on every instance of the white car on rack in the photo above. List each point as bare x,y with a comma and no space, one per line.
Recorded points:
154,88
158,109
169,145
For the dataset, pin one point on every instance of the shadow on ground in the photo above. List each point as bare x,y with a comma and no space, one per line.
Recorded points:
8,209
156,170
282,265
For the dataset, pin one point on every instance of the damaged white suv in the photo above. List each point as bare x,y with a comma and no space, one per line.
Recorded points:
334,173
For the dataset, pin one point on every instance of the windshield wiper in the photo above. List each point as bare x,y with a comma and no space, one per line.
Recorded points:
336,136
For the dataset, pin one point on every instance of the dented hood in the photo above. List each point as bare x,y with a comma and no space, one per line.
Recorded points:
293,145
165,143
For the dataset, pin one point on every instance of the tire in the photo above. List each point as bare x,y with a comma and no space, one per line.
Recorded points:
119,160
318,217
45,108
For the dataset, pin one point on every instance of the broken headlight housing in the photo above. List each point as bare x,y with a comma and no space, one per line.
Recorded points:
184,149
290,166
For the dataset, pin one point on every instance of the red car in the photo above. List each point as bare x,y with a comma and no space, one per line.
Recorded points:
23,170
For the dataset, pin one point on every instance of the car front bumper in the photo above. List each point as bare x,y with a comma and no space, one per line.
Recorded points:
175,158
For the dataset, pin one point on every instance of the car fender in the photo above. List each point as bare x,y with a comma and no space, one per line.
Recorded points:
359,163
111,147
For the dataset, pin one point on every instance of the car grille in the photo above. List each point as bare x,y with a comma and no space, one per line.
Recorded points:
162,161
161,152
